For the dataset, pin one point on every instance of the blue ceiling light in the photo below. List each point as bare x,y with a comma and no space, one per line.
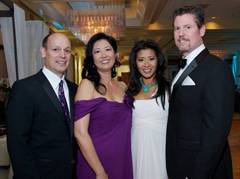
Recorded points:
58,25
82,5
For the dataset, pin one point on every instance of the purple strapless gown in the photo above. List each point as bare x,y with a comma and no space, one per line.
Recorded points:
110,130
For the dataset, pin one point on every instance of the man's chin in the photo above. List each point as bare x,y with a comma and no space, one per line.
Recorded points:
184,51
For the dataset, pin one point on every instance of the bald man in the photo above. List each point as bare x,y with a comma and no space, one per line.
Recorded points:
39,116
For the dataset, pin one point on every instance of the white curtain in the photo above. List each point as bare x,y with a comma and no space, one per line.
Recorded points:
8,43
36,31
29,35
21,39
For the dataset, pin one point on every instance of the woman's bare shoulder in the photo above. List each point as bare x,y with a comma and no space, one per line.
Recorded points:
122,85
85,90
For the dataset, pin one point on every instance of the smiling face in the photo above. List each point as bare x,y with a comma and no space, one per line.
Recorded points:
187,35
57,53
103,55
147,64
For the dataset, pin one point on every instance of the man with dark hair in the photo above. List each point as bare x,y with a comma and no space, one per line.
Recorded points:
201,105
40,117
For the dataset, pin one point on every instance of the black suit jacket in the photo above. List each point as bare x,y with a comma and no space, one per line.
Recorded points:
199,121
39,138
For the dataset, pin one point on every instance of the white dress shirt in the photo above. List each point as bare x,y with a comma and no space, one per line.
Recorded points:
190,57
54,80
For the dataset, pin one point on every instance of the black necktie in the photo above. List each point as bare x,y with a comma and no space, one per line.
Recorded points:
182,63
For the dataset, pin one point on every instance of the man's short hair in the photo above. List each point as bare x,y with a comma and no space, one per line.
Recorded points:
45,40
197,11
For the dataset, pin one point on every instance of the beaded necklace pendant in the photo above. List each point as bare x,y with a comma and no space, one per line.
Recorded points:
145,87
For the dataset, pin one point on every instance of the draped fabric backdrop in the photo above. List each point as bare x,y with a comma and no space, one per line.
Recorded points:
36,31
29,35
7,37
20,29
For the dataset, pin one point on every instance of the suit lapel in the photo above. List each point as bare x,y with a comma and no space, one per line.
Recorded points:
71,102
71,98
54,99
187,71
191,67
49,91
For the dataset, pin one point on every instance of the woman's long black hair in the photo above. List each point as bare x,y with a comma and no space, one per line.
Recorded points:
135,85
89,69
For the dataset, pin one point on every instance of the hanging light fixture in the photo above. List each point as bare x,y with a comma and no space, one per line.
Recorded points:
107,17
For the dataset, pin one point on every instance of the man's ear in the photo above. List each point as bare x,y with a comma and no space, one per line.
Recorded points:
43,52
202,30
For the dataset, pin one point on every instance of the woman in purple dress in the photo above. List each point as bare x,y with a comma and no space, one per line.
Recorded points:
102,115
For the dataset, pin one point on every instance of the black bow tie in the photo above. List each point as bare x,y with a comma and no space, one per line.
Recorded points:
182,63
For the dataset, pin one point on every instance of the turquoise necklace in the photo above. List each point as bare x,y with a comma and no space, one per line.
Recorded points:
146,88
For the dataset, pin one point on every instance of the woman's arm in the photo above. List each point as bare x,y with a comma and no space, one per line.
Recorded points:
85,91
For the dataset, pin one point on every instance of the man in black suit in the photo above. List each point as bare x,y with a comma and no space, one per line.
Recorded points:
201,105
40,134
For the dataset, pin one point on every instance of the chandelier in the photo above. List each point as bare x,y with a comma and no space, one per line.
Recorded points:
107,18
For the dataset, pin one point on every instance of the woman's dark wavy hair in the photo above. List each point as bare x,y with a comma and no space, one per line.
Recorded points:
135,85
89,69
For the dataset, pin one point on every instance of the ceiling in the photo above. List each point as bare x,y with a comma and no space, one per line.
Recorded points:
151,19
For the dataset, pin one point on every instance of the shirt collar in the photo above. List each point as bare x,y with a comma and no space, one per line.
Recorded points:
191,56
52,77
